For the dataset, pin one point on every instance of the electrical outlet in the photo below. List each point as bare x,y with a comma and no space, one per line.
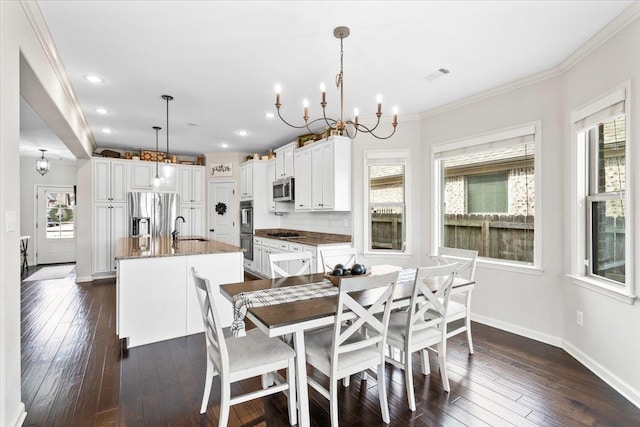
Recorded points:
579,318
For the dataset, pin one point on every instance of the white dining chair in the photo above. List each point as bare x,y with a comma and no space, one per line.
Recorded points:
331,257
410,332
297,264
343,349
460,304
237,359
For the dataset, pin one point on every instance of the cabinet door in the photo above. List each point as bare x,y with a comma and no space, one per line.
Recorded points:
197,184
328,176
101,180
119,229
169,175
142,175
303,180
197,221
250,180
118,182
246,180
184,187
317,174
288,161
101,252
186,227
271,176
257,258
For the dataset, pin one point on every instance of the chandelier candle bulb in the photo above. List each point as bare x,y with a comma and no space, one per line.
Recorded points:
278,90
323,89
395,116
305,104
379,101
356,114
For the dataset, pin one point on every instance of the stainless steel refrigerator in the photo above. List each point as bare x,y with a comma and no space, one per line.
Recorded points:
152,214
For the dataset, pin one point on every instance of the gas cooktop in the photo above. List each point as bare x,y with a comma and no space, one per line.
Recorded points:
284,235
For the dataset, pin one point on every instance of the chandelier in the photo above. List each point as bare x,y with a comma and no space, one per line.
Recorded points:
339,126
42,164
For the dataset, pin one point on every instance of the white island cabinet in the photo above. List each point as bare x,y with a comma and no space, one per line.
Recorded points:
156,298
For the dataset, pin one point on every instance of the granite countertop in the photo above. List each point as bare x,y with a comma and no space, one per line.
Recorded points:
147,247
306,237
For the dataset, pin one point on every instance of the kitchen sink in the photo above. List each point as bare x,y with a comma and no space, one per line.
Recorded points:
192,239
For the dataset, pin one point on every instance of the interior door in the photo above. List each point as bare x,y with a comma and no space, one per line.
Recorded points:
55,225
223,211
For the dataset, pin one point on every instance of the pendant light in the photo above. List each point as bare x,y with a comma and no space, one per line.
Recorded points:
167,168
42,164
157,180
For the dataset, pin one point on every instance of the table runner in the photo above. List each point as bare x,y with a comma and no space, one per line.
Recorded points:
245,300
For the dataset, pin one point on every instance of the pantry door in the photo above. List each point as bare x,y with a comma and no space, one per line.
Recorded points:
222,213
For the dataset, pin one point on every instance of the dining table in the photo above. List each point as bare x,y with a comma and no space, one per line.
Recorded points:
297,317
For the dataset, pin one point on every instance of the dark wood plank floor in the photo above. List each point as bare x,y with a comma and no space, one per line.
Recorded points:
75,373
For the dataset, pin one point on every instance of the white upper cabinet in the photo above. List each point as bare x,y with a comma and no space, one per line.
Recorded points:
284,160
271,176
191,184
324,178
303,180
109,180
246,180
142,174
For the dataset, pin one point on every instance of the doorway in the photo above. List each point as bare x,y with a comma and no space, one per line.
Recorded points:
223,212
55,225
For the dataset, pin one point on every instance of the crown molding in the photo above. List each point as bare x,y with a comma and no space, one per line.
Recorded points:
38,23
629,15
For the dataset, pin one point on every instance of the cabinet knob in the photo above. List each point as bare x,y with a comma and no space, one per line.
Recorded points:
212,230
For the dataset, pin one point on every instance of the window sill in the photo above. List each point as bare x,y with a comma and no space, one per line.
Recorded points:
602,288
388,254
509,266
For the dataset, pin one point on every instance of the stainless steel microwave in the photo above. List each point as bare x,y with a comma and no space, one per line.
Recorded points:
284,189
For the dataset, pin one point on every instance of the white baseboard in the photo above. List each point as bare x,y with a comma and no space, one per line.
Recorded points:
518,330
18,419
84,279
605,375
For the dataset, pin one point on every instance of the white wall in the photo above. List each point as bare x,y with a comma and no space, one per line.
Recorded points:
62,173
544,306
609,341
26,69
319,222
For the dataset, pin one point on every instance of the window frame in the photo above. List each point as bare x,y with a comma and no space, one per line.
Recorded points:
437,189
580,195
376,156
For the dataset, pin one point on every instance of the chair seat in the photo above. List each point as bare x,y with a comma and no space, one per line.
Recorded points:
455,310
397,332
256,349
318,349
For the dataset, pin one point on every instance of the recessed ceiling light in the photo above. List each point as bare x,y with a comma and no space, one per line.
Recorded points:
242,132
93,78
107,130
192,124
224,145
269,115
101,110
436,74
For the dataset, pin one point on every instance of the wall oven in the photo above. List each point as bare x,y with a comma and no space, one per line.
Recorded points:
246,228
246,243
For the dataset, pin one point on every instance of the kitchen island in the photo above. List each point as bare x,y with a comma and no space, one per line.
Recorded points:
155,294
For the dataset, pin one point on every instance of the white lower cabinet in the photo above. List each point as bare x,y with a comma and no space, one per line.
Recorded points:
194,217
109,226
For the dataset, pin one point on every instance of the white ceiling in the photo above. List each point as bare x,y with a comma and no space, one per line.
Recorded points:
221,60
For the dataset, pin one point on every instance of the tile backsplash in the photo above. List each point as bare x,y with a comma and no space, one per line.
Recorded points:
320,222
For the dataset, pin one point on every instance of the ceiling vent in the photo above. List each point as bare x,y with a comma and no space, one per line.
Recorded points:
436,74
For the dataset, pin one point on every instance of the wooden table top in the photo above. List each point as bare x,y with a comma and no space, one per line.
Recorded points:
275,316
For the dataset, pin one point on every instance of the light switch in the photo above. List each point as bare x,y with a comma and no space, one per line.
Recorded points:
10,218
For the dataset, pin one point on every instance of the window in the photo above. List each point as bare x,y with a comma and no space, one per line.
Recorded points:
601,237
484,194
60,213
386,186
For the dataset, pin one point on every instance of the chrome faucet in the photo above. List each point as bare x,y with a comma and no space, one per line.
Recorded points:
175,232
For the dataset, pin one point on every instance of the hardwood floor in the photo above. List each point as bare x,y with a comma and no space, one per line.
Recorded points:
74,373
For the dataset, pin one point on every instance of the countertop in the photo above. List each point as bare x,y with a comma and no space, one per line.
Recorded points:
147,247
306,237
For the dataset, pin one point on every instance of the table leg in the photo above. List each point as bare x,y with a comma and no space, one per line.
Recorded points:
301,377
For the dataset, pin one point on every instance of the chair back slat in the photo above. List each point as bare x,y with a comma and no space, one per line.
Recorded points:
424,298
216,344
345,339
276,270
466,258
331,257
